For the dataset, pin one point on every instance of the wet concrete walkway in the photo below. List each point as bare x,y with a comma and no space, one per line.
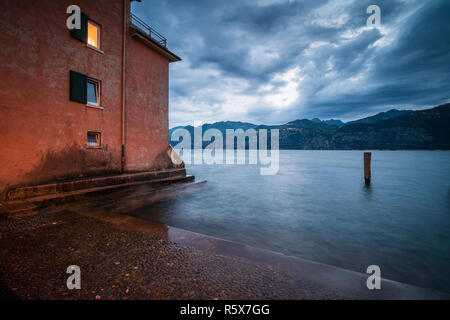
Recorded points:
123,257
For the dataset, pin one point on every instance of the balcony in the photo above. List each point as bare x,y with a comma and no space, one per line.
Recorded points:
148,31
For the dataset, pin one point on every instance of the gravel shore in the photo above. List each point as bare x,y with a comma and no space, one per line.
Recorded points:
119,264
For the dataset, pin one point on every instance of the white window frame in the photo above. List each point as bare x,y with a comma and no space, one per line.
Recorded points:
97,85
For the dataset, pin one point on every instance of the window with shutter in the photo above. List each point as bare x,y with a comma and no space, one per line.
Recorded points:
89,33
85,90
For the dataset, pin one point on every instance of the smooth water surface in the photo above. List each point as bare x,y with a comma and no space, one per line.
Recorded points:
318,208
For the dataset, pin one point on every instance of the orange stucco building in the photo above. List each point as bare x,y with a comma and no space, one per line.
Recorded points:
81,102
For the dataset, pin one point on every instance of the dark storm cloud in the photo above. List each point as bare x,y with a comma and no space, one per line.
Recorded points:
412,70
269,18
272,61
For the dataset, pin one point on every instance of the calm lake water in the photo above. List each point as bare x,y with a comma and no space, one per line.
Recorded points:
318,208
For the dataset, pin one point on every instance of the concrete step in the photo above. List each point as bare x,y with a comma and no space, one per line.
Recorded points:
29,206
26,192
134,198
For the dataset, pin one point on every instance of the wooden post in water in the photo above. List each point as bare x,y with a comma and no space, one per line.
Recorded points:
367,171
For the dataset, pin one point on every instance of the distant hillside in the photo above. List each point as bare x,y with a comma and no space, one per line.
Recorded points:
393,113
392,130
330,122
221,126
426,129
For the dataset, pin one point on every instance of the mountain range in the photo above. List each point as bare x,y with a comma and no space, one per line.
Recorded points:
392,130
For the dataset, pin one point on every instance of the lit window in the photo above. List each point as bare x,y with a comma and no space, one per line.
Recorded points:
93,35
93,92
94,139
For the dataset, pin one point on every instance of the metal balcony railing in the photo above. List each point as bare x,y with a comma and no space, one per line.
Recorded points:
145,28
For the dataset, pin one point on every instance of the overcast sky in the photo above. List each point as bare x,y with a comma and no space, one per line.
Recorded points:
273,61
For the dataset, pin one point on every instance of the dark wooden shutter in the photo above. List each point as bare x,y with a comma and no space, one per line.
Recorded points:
78,87
81,34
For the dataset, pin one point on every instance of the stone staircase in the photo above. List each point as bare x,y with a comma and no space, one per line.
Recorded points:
27,199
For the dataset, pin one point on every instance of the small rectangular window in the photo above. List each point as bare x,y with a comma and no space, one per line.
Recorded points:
94,139
93,36
93,92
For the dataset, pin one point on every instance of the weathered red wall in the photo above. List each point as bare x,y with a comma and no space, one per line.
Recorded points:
147,102
42,132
